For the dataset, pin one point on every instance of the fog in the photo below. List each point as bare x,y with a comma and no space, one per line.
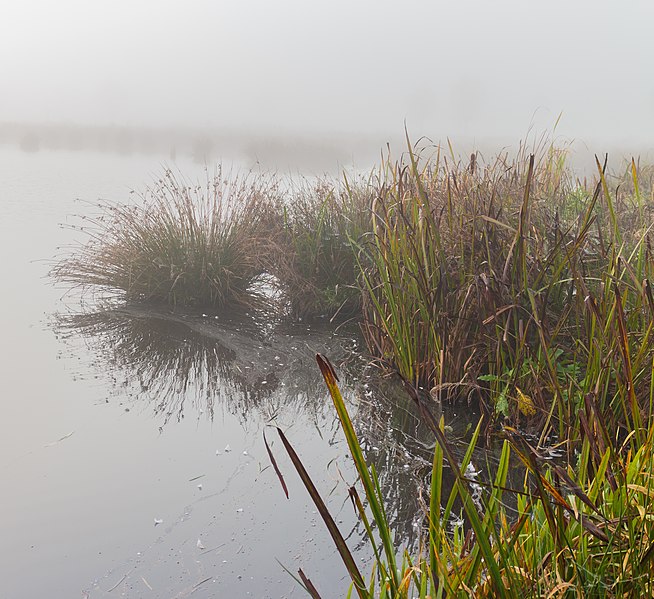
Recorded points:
349,73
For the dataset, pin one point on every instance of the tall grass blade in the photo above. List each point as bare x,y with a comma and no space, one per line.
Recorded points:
335,533
375,501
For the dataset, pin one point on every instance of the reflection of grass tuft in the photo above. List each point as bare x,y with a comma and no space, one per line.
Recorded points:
185,364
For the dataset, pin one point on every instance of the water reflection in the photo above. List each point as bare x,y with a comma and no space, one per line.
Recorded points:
201,363
265,372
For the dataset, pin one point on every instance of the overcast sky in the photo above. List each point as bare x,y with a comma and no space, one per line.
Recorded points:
471,68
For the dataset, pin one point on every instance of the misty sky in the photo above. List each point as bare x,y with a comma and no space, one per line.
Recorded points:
459,68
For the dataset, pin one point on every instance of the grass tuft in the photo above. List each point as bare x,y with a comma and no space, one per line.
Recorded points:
181,244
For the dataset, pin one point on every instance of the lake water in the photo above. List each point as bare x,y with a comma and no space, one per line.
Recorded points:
131,442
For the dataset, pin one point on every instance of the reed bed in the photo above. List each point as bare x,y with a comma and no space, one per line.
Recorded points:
520,286
512,281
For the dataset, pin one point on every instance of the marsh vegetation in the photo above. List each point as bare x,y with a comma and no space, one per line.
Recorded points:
510,284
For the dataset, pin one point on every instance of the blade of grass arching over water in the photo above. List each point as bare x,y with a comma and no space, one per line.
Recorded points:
358,506
574,487
546,489
374,501
336,535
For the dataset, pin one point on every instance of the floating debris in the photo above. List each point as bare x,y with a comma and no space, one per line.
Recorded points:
59,440
118,583
158,521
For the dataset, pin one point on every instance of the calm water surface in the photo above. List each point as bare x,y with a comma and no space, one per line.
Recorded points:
131,443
